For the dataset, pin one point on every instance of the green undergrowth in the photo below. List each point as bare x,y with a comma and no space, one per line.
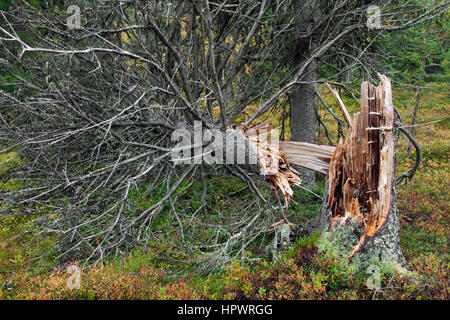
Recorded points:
300,273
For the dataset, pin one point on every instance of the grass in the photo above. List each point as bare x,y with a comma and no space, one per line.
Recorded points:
302,272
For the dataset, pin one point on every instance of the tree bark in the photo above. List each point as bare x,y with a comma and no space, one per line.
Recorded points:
303,120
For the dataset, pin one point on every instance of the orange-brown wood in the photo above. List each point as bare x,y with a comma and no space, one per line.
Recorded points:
362,166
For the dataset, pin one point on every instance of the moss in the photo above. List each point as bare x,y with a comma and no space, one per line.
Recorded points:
383,250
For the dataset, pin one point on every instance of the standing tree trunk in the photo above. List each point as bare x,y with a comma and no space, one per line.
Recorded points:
359,213
303,120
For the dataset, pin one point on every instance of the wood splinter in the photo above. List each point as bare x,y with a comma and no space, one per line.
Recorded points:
286,154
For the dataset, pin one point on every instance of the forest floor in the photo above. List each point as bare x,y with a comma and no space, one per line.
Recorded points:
301,272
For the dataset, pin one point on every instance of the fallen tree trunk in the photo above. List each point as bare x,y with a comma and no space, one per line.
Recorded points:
359,213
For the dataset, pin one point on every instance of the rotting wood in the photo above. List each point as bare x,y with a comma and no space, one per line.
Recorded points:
361,170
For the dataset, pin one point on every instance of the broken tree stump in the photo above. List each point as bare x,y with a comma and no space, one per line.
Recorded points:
359,213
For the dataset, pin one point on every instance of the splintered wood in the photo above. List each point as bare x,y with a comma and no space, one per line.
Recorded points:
308,155
362,166
275,158
273,163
